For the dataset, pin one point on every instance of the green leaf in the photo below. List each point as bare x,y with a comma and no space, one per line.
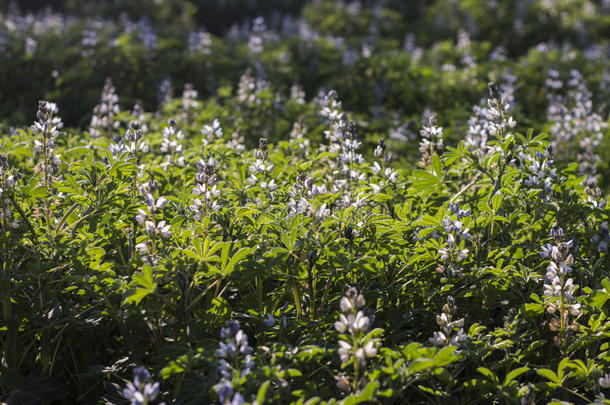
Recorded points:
367,394
144,278
534,309
606,284
436,165
262,391
598,299
563,364
549,375
496,202
483,206
239,255
136,295
489,374
514,374
424,180
39,192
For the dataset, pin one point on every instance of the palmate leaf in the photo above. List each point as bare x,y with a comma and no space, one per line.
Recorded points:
424,181
142,285
227,260
134,296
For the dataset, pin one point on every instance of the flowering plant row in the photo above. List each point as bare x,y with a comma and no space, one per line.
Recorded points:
314,269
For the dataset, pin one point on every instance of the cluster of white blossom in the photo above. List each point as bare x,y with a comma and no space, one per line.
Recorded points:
189,102
575,125
261,167
343,142
235,361
257,36
171,146
542,174
148,219
454,252
481,127
302,195
206,190
298,138
132,144
558,287
355,344
451,332
7,183
141,391
164,93
249,89
386,174
103,120
200,42
211,132
431,142
47,128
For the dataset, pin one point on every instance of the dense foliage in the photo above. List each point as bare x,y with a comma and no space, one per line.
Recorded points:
264,239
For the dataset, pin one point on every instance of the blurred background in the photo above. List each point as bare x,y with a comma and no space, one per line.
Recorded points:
387,59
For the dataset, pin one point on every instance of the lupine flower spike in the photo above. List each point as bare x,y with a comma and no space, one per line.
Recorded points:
451,332
558,288
235,362
355,345
140,391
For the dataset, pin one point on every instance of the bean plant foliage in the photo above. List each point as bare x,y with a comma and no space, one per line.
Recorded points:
254,247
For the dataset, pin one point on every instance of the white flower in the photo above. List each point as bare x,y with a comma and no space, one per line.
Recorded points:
38,146
360,201
322,212
10,181
346,304
161,228
150,227
343,383
269,321
141,217
340,326
370,350
303,206
161,202
269,186
376,168
438,339
391,174
164,230
318,190
442,320
344,351
361,322
462,254
214,130
604,381
459,338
